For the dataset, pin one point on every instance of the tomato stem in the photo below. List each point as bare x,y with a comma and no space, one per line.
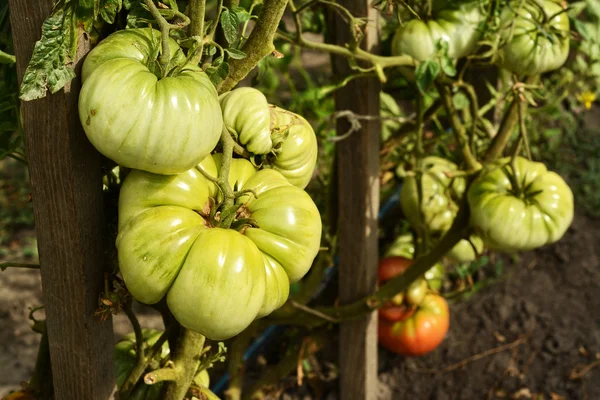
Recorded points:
165,29
196,30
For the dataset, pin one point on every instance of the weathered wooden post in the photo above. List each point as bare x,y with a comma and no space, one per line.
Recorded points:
67,202
358,188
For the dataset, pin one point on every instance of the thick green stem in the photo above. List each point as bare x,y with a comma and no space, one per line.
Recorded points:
396,285
510,120
165,55
197,11
228,208
179,373
259,43
458,128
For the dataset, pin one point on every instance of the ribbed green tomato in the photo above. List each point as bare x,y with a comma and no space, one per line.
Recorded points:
458,28
286,140
438,208
296,155
126,360
536,35
247,114
162,125
216,280
537,212
466,250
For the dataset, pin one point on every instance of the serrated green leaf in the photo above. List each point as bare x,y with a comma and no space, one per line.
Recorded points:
217,74
218,61
448,66
109,10
86,11
241,15
582,29
426,73
50,68
236,54
229,24
7,58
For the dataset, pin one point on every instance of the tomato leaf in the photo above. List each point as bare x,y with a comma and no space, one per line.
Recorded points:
236,54
241,15
448,66
109,9
229,24
51,63
426,73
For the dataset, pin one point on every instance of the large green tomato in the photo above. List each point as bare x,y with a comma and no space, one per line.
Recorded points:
458,28
438,207
286,140
126,360
246,114
162,125
536,35
510,218
296,155
217,281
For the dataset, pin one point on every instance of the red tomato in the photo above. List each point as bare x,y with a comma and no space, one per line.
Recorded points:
389,267
421,332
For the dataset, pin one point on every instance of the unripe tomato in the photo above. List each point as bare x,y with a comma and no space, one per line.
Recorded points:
520,209
139,119
536,37
463,251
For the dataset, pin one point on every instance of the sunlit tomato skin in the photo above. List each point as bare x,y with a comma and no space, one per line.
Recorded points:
458,28
520,209
285,141
216,281
536,37
139,119
247,115
419,334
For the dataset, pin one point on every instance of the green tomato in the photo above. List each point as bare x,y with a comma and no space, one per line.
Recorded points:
389,108
466,250
162,125
438,207
217,281
247,114
221,285
510,218
295,147
536,37
286,140
416,292
458,28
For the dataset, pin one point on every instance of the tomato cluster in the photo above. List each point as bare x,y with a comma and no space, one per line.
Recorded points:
415,322
215,278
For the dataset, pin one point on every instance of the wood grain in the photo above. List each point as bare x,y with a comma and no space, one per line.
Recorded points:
69,217
358,188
